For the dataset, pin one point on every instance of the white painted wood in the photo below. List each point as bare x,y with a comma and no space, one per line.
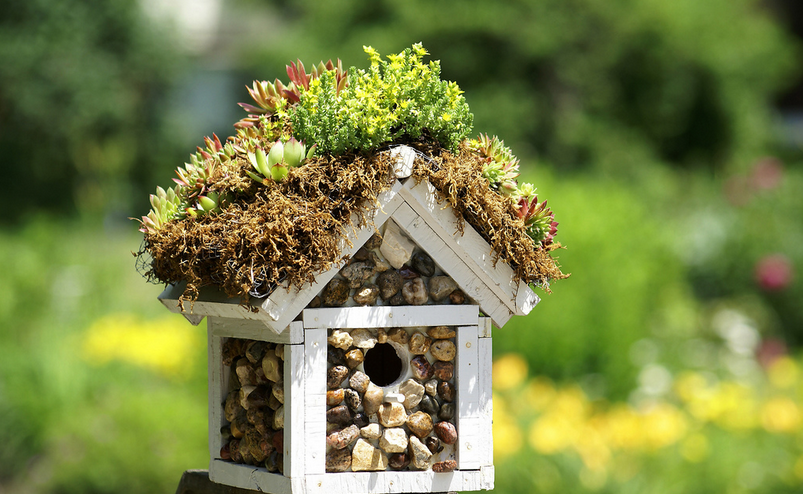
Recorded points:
391,317
418,230
469,439
485,327
470,247
526,299
315,401
285,304
215,383
399,482
485,364
250,477
211,302
404,161
256,330
294,418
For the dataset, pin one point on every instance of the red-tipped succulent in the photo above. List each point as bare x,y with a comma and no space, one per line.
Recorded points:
539,220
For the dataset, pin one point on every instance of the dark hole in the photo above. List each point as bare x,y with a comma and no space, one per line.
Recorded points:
382,364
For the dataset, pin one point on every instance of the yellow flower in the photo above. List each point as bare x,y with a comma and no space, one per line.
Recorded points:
663,425
783,372
539,393
509,371
625,428
446,117
781,415
552,433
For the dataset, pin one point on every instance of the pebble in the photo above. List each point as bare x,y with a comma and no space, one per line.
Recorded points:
343,437
278,418
352,399
443,350
339,415
408,273
444,466
372,399
399,335
419,344
365,457
433,444
422,263
381,336
446,432
440,287
413,393
363,338
394,398
415,292
446,391
278,440
393,440
255,350
431,387
335,356
446,412
399,461
392,415
336,293
360,419
420,368
380,266
419,454
389,283
374,242
457,297
443,370
245,372
396,247
359,381
278,391
362,254
429,404
441,332
420,424
366,295
272,367
336,375
315,302
274,462
357,273
338,460
354,357
340,339
371,431
397,300
334,397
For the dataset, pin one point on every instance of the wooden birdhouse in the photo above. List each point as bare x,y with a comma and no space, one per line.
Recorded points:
375,377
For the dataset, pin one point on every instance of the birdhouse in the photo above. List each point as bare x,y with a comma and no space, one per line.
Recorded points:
374,377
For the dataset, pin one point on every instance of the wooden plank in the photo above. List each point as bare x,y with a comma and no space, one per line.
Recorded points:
486,327
285,304
526,299
485,363
249,477
388,316
419,231
470,247
294,399
211,302
469,440
404,160
315,401
398,482
256,330
216,382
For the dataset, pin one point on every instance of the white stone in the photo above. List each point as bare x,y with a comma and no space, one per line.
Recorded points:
420,455
394,398
340,339
396,247
366,457
371,431
362,338
393,440
413,393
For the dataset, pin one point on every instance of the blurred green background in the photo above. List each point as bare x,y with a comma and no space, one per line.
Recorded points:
666,136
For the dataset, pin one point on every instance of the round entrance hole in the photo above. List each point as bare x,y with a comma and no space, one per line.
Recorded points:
383,365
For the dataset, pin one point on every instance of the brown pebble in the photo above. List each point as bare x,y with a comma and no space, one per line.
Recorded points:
354,358
399,336
339,415
399,461
446,391
443,370
441,332
420,368
446,432
444,466
457,297
336,375
334,397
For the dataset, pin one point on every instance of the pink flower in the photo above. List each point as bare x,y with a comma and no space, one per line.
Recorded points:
774,272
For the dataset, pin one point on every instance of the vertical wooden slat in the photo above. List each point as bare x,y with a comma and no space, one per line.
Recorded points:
215,382
315,401
294,398
485,363
469,440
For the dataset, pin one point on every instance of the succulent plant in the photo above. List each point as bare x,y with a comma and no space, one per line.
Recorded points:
209,203
281,157
539,220
500,166
165,205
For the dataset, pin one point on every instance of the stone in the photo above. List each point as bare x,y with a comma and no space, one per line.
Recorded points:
429,404
444,466
272,367
389,283
365,457
340,339
357,273
278,440
396,248
392,415
360,419
315,302
354,357
336,375
408,273
413,393
415,292
245,372
380,266
362,254
371,431
443,350
338,460
433,444
440,287
399,335
397,300
279,352
420,368
372,399
363,338
381,336
343,437
446,412
335,356
443,370
339,415
394,398
446,391
419,344
278,391
422,263
352,399
457,297
336,293
441,332
254,350
393,440
359,381
366,295
399,461
420,424
446,432
374,242
278,418
419,454
431,387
